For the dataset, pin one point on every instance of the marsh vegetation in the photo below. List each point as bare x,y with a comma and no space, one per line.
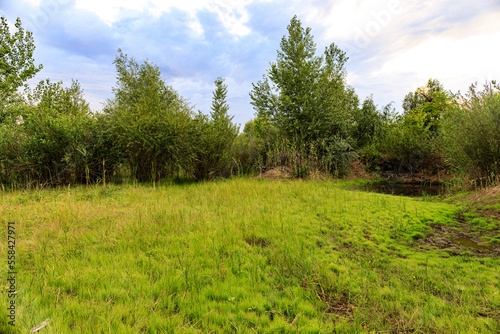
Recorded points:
249,255
148,217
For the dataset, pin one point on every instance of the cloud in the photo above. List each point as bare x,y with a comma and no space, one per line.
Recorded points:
394,45
397,45
231,13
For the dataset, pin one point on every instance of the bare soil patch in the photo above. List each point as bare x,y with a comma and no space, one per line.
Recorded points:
357,171
286,173
339,305
276,173
460,239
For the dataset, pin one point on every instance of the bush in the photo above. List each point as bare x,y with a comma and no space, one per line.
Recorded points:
403,147
152,124
337,156
50,143
256,146
213,140
471,133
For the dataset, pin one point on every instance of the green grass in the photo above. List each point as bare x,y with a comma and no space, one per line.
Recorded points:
243,255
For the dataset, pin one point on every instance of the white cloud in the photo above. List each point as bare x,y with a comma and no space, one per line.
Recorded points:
109,11
397,45
346,19
231,13
394,45
457,57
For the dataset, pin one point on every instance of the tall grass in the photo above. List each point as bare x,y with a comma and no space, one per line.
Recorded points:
240,255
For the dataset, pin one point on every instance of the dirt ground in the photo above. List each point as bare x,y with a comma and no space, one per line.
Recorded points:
277,173
460,239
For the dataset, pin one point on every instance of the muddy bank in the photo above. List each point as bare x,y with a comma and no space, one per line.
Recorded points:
461,240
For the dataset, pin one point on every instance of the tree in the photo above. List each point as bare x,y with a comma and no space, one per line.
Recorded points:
303,94
16,58
422,95
367,123
426,105
215,136
220,107
54,98
470,134
54,142
58,131
150,121
306,97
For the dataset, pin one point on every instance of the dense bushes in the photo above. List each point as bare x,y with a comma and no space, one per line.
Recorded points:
402,148
471,133
146,132
307,119
409,142
48,143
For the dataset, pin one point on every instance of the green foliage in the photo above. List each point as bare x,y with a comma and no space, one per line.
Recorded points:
409,142
55,99
150,121
426,106
423,95
16,58
305,96
252,147
11,139
471,132
368,123
50,143
338,155
12,109
214,137
401,147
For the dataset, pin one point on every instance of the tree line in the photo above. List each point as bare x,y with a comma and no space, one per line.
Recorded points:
307,118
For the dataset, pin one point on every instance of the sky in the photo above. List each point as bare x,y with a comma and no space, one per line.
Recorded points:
394,46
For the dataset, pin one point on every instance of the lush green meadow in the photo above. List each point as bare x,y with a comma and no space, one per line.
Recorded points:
244,256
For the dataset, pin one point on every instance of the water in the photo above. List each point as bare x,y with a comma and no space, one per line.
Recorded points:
416,189
466,242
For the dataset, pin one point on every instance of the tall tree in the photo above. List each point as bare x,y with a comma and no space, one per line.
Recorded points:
150,121
367,123
16,58
16,67
215,136
422,95
220,107
303,94
224,130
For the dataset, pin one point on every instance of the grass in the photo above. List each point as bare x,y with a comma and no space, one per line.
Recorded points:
242,255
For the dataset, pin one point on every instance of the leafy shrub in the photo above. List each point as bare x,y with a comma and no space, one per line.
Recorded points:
48,143
151,123
258,145
214,137
337,156
471,132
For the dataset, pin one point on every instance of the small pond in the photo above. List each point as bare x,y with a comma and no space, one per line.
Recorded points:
414,189
466,242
